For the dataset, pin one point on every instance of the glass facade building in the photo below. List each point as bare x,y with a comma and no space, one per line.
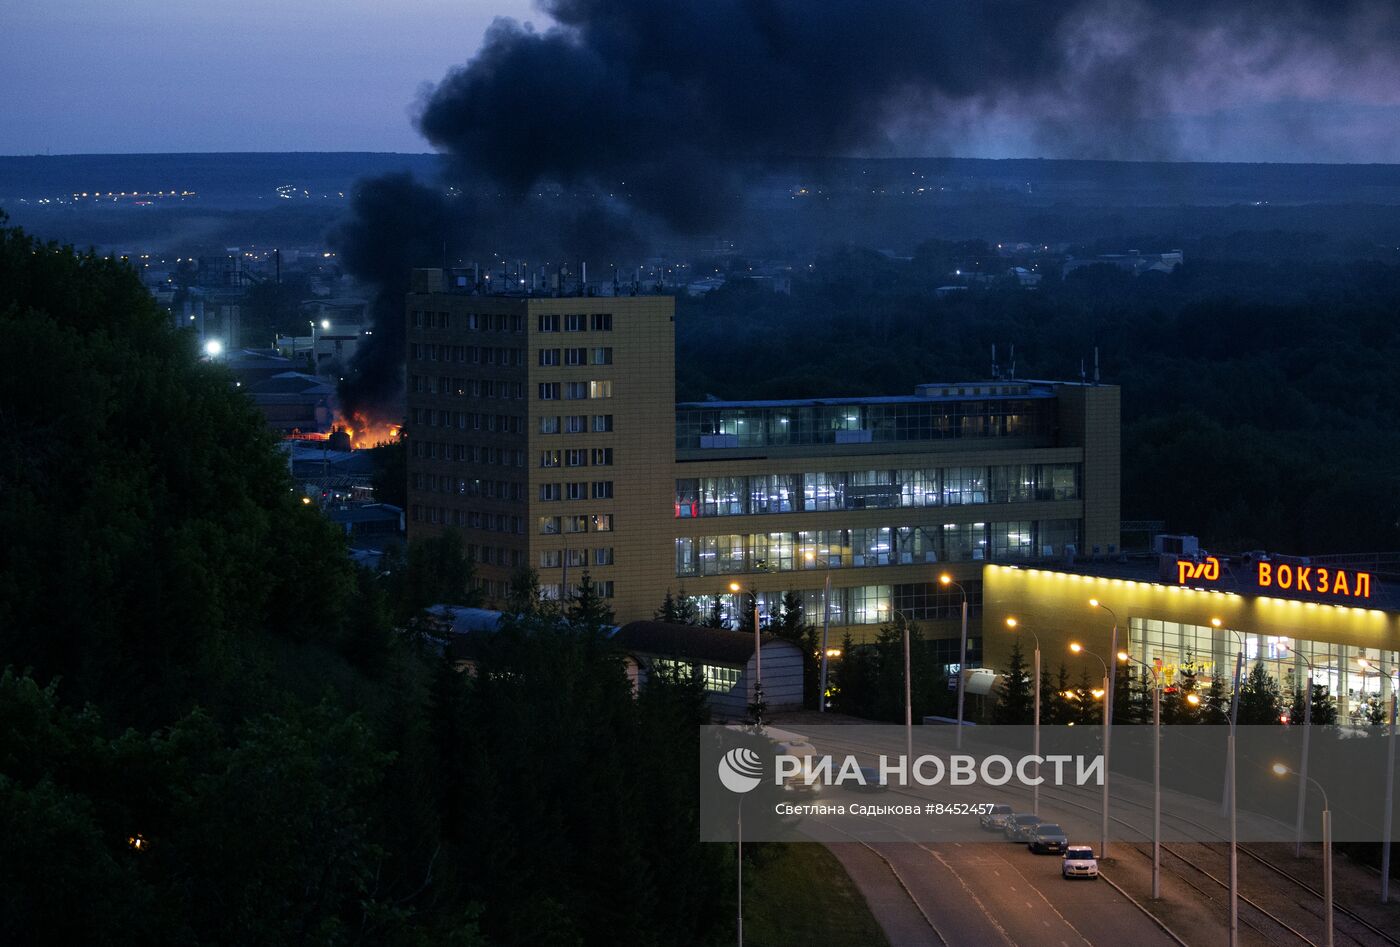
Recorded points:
1171,628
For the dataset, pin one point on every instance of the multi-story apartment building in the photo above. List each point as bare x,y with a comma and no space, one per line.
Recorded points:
546,429
541,428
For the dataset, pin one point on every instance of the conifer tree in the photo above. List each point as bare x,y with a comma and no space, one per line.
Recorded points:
1215,709
588,611
686,613
1261,702
1016,701
667,611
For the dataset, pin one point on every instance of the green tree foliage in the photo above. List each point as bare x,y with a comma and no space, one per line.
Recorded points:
1324,708
868,680
572,811
233,699
677,609
1016,698
266,839
153,544
1087,709
714,618
433,570
1215,709
587,610
1055,707
1261,702
793,626
1177,707
667,611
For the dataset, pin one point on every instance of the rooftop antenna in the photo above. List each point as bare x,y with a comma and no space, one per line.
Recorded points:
1012,376
1096,364
1083,378
995,374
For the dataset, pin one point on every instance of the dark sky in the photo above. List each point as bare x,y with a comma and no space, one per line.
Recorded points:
333,75
248,75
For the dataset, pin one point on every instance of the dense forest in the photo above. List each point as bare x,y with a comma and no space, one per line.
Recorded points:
214,729
1259,403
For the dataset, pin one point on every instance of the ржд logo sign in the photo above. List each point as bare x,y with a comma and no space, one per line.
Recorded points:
1188,569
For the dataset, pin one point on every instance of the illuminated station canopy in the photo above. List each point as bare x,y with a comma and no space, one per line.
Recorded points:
1186,615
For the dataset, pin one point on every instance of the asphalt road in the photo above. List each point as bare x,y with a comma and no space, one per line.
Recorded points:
999,893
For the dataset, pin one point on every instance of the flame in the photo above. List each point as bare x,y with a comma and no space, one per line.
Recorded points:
365,431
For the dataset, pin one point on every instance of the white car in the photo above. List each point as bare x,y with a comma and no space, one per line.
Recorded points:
1079,862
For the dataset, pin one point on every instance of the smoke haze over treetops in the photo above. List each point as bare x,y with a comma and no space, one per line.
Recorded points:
629,115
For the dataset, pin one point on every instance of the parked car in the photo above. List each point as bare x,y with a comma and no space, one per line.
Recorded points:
1079,862
1047,837
1018,826
995,820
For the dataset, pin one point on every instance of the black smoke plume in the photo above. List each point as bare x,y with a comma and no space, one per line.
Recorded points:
626,116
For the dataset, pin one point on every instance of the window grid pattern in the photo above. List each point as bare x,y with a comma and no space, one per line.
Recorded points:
875,489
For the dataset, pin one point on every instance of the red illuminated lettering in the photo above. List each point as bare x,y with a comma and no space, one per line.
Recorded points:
1303,584
1208,569
1266,574
1322,581
1341,586
1363,585
1285,576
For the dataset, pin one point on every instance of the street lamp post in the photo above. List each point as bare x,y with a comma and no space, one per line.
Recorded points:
1078,648
757,646
739,836
1230,790
811,557
1394,682
1107,716
1303,768
1156,771
1282,770
947,579
908,705
908,694
1035,719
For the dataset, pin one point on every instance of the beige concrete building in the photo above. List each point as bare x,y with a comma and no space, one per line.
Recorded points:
546,430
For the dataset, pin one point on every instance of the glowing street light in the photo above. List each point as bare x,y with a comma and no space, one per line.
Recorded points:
1035,718
1389,783
811,559
1283,770
1107,694
757,647
1107,715
1125,657
1307,733
1229,800
213,348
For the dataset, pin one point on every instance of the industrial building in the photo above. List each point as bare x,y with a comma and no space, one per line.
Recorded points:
546,429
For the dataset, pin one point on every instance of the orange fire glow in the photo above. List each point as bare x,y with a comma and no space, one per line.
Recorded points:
365,431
